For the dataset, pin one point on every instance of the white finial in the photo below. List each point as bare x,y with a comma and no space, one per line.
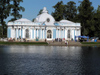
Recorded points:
44,10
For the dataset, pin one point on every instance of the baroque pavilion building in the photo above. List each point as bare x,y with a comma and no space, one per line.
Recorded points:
43,27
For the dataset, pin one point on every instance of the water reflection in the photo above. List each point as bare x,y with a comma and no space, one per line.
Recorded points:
49,60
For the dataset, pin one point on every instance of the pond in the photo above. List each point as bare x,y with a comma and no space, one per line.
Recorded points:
49,60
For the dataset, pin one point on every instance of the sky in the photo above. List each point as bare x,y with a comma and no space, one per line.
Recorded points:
32,7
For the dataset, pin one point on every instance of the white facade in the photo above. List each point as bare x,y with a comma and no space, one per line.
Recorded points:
43,27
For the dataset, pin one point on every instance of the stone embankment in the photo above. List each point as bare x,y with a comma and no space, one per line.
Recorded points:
70,43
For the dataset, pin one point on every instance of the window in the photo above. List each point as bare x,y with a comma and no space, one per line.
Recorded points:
68,33
49,34
48,20
27,33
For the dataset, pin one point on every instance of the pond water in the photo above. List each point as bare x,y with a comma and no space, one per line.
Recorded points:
49,60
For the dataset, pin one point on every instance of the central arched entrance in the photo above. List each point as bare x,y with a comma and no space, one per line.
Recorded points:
27,33
49,34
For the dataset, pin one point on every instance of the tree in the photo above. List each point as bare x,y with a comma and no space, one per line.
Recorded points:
16,8
70,11
85,15
97,22
40,12
0,30
33,19
4,12
58,14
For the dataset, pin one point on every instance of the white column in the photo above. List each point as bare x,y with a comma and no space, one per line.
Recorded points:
37,33
70,33
31,32
23,32
63,33
20,32
56,33
43,33
66,32
17,32
34,33
75,31
59,33
11,32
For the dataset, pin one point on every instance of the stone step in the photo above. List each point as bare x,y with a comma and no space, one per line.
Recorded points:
70,43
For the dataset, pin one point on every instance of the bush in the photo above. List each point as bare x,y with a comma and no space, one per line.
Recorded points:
3,36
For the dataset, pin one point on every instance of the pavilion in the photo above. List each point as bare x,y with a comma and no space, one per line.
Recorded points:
43,27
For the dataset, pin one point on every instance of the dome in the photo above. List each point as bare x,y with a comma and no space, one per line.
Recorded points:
45,17
66,21
22,20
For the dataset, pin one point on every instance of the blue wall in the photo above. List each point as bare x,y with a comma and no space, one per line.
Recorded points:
45,33
64,33
54,33
9,32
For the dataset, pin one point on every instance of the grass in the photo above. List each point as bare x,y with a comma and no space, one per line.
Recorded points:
23,43
96,43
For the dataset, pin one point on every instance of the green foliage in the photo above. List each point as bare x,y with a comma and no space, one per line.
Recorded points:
58,14
16,8
70,11
85,17
97,22
6,7
85,14
91,43
33,19
67,11
4,13
23,43
40,12
0,30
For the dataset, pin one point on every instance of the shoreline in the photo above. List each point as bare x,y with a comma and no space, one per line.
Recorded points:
47,44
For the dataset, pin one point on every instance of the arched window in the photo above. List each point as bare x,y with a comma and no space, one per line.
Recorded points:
68,33
49,34
27,33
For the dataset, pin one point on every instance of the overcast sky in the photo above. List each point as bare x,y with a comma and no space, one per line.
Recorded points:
32,7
